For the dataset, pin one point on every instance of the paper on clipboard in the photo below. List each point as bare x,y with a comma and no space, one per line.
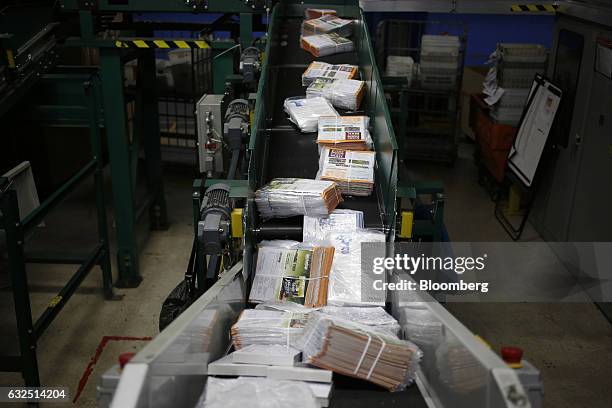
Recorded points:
525,154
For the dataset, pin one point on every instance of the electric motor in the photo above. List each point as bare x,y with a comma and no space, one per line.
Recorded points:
215,213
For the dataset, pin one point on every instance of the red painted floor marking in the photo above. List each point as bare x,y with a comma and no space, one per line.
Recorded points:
93,360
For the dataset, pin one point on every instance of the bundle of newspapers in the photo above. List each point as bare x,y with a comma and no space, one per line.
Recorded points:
318,12
344,132
317,229
328,71
374,316
287,197
353,170
348,284
359,351
292,271
255,326
342,93
321,45
305,112
327,24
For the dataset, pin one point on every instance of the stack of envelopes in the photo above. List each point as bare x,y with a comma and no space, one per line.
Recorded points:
327,24
305,112
342,93
287,197
321,45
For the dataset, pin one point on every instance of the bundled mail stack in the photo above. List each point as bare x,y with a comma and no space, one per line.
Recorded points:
267,327
322,70
342,93
317,229
359,351
288,270
353,170
327,24
344,132
321,45
305,112
508,82
311,13
287,197
326,34
348,286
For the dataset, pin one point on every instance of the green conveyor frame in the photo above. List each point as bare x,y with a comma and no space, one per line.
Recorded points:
278,149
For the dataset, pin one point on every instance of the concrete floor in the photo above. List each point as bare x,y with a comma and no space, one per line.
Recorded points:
570,343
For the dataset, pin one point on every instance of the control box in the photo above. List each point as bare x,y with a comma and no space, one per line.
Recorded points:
210,111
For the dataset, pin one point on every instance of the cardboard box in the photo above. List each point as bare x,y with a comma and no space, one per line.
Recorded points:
473,78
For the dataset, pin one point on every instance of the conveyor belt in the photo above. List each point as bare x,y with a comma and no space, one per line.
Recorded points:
295,154
292,153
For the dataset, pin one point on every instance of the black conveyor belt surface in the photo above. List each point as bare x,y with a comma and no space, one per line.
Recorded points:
295,154
292,153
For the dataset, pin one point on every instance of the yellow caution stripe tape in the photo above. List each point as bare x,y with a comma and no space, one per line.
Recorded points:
534,8
157,43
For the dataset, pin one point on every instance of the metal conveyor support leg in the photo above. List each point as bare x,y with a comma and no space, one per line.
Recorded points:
13,228
119,157
151,141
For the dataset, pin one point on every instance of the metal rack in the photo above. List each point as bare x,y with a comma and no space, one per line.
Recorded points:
425,117
81,87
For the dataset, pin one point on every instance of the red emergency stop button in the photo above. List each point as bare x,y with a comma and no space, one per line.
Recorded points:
125,358
512,356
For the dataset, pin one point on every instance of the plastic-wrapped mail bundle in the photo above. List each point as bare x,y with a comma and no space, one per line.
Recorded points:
287,197
353,349
346,279
327,24
317,229
298,273
255,326
376,317
353,170
321,45
318,12
319,69
342,93
256,393
305,112
344,132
